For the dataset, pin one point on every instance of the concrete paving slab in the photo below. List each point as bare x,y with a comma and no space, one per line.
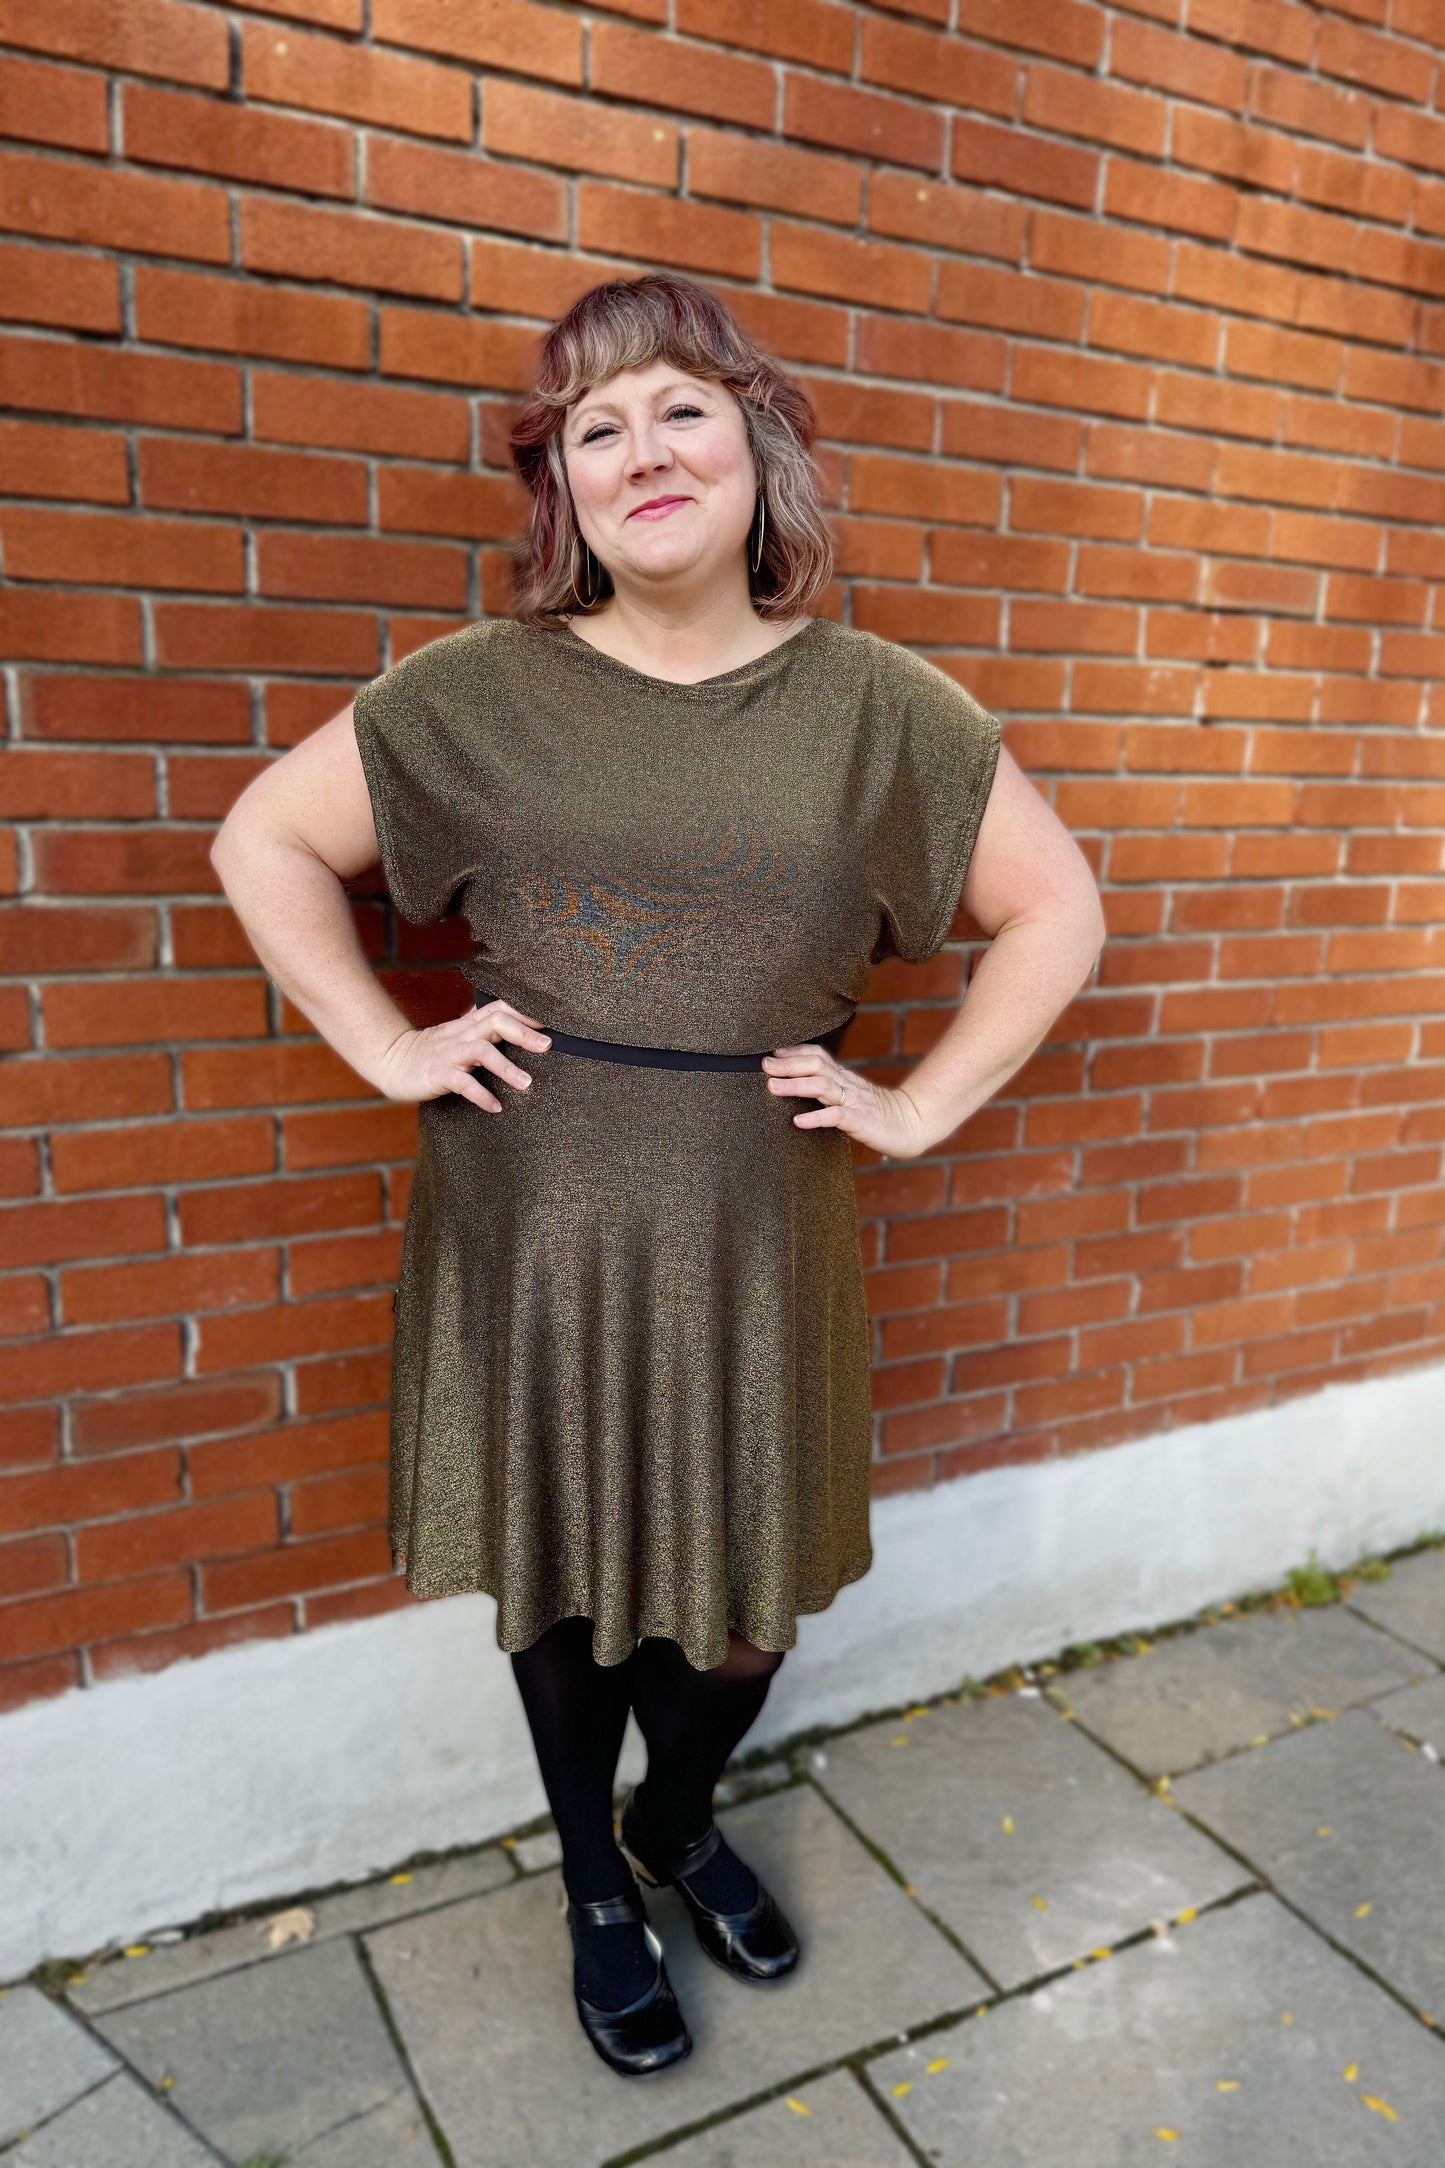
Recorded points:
1347,1821
122,1980
1178,2048
116,2126
267,2060
394,2135
1027,1840
482,1996
46,2060
1418,1712
534,1853
828,2123
1219,1688
1411,1603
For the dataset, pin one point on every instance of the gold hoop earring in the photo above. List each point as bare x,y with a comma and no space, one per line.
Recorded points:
762,522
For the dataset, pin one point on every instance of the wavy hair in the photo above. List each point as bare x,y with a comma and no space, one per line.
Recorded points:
628,324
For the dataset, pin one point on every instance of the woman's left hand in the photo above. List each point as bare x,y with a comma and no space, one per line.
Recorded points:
884,1118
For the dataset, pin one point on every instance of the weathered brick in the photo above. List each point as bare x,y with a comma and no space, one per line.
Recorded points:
1086,248
99,204
519,121
1064,103
979,294
819,32
774,176
1208,74
942,69
464,189
658,229
510,34
207,135
1310,107
1062,29
294,241
46,104
1074,508
165,38
1128,324
680,77
1053,378
847,270
862,121
47,286
1386,64
931,353
285,66
908,208
1007,158
1177,200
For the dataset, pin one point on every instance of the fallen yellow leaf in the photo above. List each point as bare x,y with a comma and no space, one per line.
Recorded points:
1039,1903
1226,2085
400,1878
1361,1910
909,1890
167,2082
1171,2135
138,1949
905,2087
901,1740
1350,2072
1285,2018
1101,1953
1188,1913
296,1925
1325,1829
797,2106
1007,1825
1381,2107
940,2062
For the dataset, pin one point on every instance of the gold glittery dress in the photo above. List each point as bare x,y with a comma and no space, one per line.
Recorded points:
631,1362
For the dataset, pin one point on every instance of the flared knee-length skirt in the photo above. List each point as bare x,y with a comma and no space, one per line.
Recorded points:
631,1363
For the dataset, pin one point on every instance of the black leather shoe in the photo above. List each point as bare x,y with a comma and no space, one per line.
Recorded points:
756,1945
648,2033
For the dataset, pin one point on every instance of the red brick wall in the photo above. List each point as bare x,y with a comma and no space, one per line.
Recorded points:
1124,324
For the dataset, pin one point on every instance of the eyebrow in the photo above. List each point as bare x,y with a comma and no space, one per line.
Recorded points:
606,406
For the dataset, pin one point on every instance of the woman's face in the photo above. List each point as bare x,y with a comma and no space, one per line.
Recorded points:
662,476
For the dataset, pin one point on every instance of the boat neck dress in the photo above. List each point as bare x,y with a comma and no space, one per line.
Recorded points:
630,1374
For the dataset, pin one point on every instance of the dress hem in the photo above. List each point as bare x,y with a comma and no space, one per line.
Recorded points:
802,1607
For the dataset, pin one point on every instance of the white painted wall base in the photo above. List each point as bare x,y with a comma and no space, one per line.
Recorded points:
276,1767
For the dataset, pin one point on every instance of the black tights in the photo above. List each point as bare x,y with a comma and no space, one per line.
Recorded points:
691,1721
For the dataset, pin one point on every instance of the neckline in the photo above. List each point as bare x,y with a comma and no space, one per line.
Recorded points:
698,688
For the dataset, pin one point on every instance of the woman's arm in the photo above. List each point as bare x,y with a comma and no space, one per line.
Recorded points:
1031,889
298,830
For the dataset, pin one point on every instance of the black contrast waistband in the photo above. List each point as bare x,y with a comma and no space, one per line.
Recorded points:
660,1057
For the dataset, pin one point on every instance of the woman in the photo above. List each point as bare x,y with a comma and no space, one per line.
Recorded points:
682,815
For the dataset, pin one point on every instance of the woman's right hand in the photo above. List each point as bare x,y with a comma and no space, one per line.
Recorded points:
437,1058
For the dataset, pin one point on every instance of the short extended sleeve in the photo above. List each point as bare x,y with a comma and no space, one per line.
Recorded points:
409,763
943,750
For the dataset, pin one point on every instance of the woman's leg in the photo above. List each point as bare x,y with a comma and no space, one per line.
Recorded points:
577,1710
692,1721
